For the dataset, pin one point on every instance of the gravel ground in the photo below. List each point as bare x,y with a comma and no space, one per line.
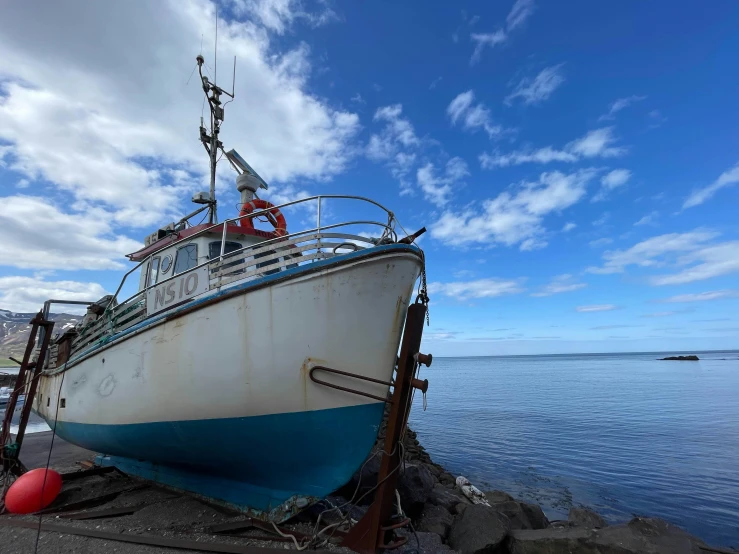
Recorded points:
164,514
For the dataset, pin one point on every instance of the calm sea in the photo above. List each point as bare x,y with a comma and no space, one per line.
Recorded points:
623,433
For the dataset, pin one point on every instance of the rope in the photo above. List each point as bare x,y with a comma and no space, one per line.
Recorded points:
48,461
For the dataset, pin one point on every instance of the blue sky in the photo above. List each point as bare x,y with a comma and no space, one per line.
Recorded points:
575,163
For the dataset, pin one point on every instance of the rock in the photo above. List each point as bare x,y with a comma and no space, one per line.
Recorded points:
552,541
515,514
639,536
478,529
414,486
691,358
585,517
434,519
447,479
366,478
442,496
536,515
428,543
498,496
461,507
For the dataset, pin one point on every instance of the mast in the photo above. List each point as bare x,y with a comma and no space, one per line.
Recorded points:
210,141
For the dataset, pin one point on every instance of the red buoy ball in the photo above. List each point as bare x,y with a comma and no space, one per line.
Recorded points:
30,494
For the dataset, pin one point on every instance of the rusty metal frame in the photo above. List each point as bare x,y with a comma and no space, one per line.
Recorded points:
348,374
27,368
375,531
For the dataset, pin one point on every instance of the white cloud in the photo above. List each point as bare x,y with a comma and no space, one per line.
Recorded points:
538,89
596,308
435,82
515,216
28,294
472,116
279,15
610,181
600,242
597,143
652,252
520,12
560,284
357,99
619,105
109,124
36,235
437,189
703,296
481,288
691,252
602,219
482,40
615,178
568,227
708,262
648,219
727,178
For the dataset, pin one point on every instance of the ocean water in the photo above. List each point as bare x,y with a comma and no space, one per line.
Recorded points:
622,433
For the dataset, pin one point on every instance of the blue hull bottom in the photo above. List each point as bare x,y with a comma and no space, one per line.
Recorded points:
250,463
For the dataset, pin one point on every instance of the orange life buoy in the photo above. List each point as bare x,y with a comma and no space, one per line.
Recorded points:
277,220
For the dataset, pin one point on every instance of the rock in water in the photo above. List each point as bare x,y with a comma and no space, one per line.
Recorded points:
691,358
414,486
478,530
515,514
498,496
536,515
585,517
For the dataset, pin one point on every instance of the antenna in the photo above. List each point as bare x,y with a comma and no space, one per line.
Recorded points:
215,51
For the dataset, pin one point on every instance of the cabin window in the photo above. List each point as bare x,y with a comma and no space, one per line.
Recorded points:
214,251
187,258
154,271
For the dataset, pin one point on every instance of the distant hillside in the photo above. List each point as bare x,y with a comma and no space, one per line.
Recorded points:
14,331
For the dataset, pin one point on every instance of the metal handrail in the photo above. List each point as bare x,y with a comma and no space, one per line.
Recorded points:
388,226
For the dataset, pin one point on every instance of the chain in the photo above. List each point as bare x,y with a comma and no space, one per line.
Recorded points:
423,295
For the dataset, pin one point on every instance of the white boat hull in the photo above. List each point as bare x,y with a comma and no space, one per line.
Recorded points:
222,390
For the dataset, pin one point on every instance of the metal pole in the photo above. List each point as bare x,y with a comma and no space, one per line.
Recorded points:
213,152
371,534
318,227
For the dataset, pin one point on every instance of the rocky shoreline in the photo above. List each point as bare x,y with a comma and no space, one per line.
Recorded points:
445,520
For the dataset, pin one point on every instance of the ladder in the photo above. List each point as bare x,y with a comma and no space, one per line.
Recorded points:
27,379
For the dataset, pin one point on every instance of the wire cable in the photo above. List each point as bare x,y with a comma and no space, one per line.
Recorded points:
48,459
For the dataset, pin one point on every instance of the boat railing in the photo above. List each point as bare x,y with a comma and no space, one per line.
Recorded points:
251,262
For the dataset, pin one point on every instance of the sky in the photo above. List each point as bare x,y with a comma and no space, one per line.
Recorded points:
575,163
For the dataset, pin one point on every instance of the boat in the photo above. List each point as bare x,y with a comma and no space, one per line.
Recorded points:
247,366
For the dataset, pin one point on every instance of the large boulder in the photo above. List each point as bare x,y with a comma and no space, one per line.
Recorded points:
536,515
448,499
434,519
515,514
479,529
365,479
522,515
498,496
414,486
585,517
428,543
639,536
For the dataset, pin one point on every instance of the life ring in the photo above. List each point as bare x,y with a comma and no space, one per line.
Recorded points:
277,220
